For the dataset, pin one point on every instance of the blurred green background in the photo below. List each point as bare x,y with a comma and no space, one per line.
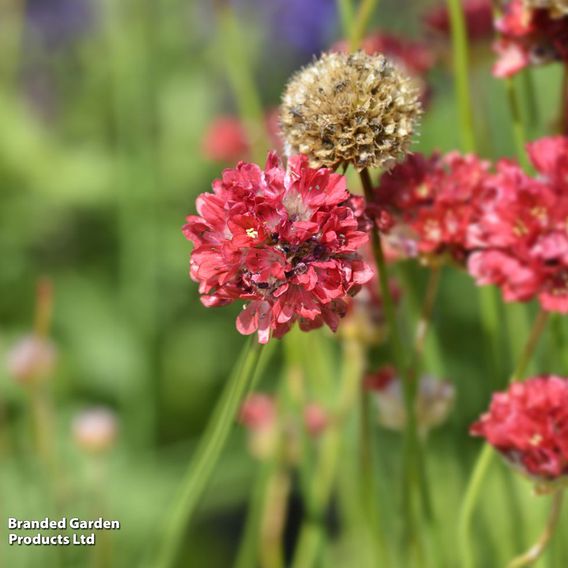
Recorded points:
103,108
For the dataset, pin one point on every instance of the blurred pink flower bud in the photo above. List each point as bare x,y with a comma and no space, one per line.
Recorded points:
31,359
95,429
259,415
434,400
258,412
226,140
315,419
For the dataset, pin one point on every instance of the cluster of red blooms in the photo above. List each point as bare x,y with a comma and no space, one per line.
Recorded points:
285,242
528,425
523,230
432,204
529,36
511,229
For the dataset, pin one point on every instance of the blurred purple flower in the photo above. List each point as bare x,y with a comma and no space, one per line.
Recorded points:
306,27
56,22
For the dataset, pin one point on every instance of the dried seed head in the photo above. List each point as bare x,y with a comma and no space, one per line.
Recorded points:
557,8
358,108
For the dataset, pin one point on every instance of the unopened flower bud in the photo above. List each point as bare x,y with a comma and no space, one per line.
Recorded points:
259,415
434,400
33,358
316,419
95,430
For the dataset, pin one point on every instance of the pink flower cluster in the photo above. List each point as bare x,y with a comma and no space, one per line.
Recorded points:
522,234
510,229
528,425
432,201
284,242
529,37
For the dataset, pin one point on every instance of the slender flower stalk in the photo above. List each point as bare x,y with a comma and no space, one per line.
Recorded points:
461,67
346,14
485,457
528,85
273,519
360,22
563,119
241,78
206,456
519,130
535,552
248,550
324,475
425,320
413,459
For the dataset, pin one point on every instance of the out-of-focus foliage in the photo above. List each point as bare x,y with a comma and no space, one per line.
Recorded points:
103,108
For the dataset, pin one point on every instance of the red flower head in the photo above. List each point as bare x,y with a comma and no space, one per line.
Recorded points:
529,37
478,18
434,201
523,232
528,425
284,242
226,140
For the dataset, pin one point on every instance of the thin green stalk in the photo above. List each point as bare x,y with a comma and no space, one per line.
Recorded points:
312,532
461,73
531,101
359,25
536,551
425,318
483,462
137,181
241,79
563,115
413,462
369,494
346,15
519,131
274,518
206,456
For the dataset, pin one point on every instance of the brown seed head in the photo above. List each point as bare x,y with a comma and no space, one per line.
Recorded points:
350,108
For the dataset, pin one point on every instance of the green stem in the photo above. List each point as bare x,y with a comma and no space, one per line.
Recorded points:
535,552
312,533
563,116
413,463
536,332
518,126
425,319
345,9
360,23
461,73
483,462
206,456
241,79
530,98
